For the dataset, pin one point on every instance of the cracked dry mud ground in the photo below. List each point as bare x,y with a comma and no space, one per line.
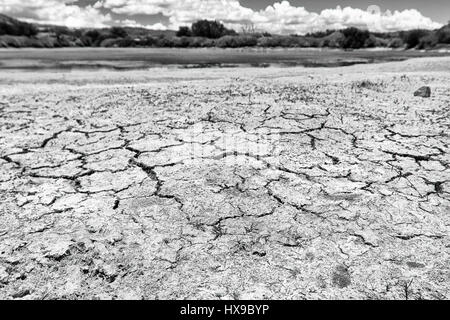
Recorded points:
336,183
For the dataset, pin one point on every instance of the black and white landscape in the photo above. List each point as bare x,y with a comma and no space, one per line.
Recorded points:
220,150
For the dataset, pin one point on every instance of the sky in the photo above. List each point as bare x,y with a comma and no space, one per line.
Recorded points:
280,17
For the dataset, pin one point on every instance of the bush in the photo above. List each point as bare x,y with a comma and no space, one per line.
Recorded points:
334,40
181,42
84,41
314,43
269,42
371,42
199,42
164,42
283,41
107,43
125,42
428,41
148,41
196,42
236,41
63,40
11,41
396,43
24,41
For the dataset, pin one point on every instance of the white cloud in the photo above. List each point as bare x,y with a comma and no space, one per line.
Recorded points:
387,21
134,24
59,12
281,17
156,26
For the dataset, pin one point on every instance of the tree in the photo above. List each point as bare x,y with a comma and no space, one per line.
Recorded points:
210,29
355,38
183,32
118,32
93,34
443,34
412,38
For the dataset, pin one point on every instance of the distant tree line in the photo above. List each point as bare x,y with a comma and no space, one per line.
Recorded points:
205,33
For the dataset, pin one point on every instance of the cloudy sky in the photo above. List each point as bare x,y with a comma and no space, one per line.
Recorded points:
294,16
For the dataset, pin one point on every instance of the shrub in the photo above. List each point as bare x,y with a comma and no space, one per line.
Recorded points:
200,42
11,41
125,42
334,40
283,41
268,42
302,42
63,40
196,42
396,43
181,42
84,41
164,42
107,43
371,42
314,43
236,41
428,42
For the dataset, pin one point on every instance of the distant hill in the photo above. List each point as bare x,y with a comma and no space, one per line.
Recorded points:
11,26
6,19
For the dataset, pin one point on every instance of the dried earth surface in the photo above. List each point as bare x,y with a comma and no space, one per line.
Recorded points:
280,183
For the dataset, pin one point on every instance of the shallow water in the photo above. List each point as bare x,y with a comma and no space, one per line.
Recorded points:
147,58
